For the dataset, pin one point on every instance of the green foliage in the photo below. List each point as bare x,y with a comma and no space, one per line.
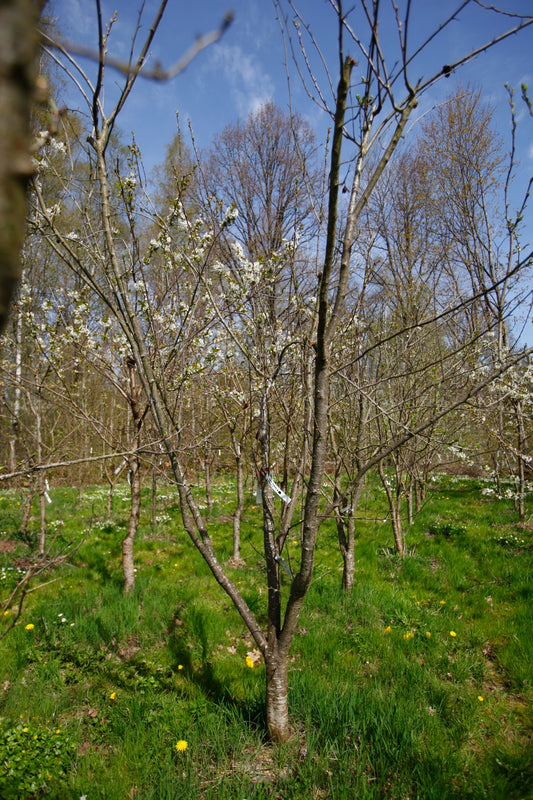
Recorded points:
34,759
417,685
446,529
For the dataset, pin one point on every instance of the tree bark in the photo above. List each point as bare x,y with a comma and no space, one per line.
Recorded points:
395,505
522,452
41,476
277,702
237,513
128,563
154,493
18,50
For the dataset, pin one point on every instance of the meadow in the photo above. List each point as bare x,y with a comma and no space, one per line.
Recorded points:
417,685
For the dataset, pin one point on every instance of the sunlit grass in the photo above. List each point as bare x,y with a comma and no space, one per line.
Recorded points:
417,685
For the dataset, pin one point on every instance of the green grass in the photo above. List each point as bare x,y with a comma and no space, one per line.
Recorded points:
385,701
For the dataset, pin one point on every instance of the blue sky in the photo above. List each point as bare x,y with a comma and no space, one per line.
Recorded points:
247,67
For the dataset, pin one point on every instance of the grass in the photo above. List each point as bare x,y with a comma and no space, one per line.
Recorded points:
418,685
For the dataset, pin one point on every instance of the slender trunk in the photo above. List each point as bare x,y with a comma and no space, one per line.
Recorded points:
522,452
207,473
28,497
394,499
41,477
42,518
410,503
110,494
237,514
348,556
420,489
397,528
154,493
345,519
16,402
128,566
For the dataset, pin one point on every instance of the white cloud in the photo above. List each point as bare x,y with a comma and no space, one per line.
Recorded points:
76,17
249,86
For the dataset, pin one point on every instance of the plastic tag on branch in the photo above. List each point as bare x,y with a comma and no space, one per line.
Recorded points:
277,489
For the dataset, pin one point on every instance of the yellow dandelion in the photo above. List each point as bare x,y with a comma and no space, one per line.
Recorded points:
6,612
180,666
387,629
480,698
25,730
453,633
408,635
30,626
58,731
181,745
428,634
250,662
113,696
443,602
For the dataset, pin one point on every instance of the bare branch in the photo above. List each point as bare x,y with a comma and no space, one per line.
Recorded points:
157,72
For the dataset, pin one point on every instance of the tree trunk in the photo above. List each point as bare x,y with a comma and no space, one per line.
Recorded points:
395,506
109,503
128,566
154,493
397,529
237,514
27,503
410,503
13,439
40,478
42,517
420,488
522,452
346,537
207,473
19,45
348,557
277,703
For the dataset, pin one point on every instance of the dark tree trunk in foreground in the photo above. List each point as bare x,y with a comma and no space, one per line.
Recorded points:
18,51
